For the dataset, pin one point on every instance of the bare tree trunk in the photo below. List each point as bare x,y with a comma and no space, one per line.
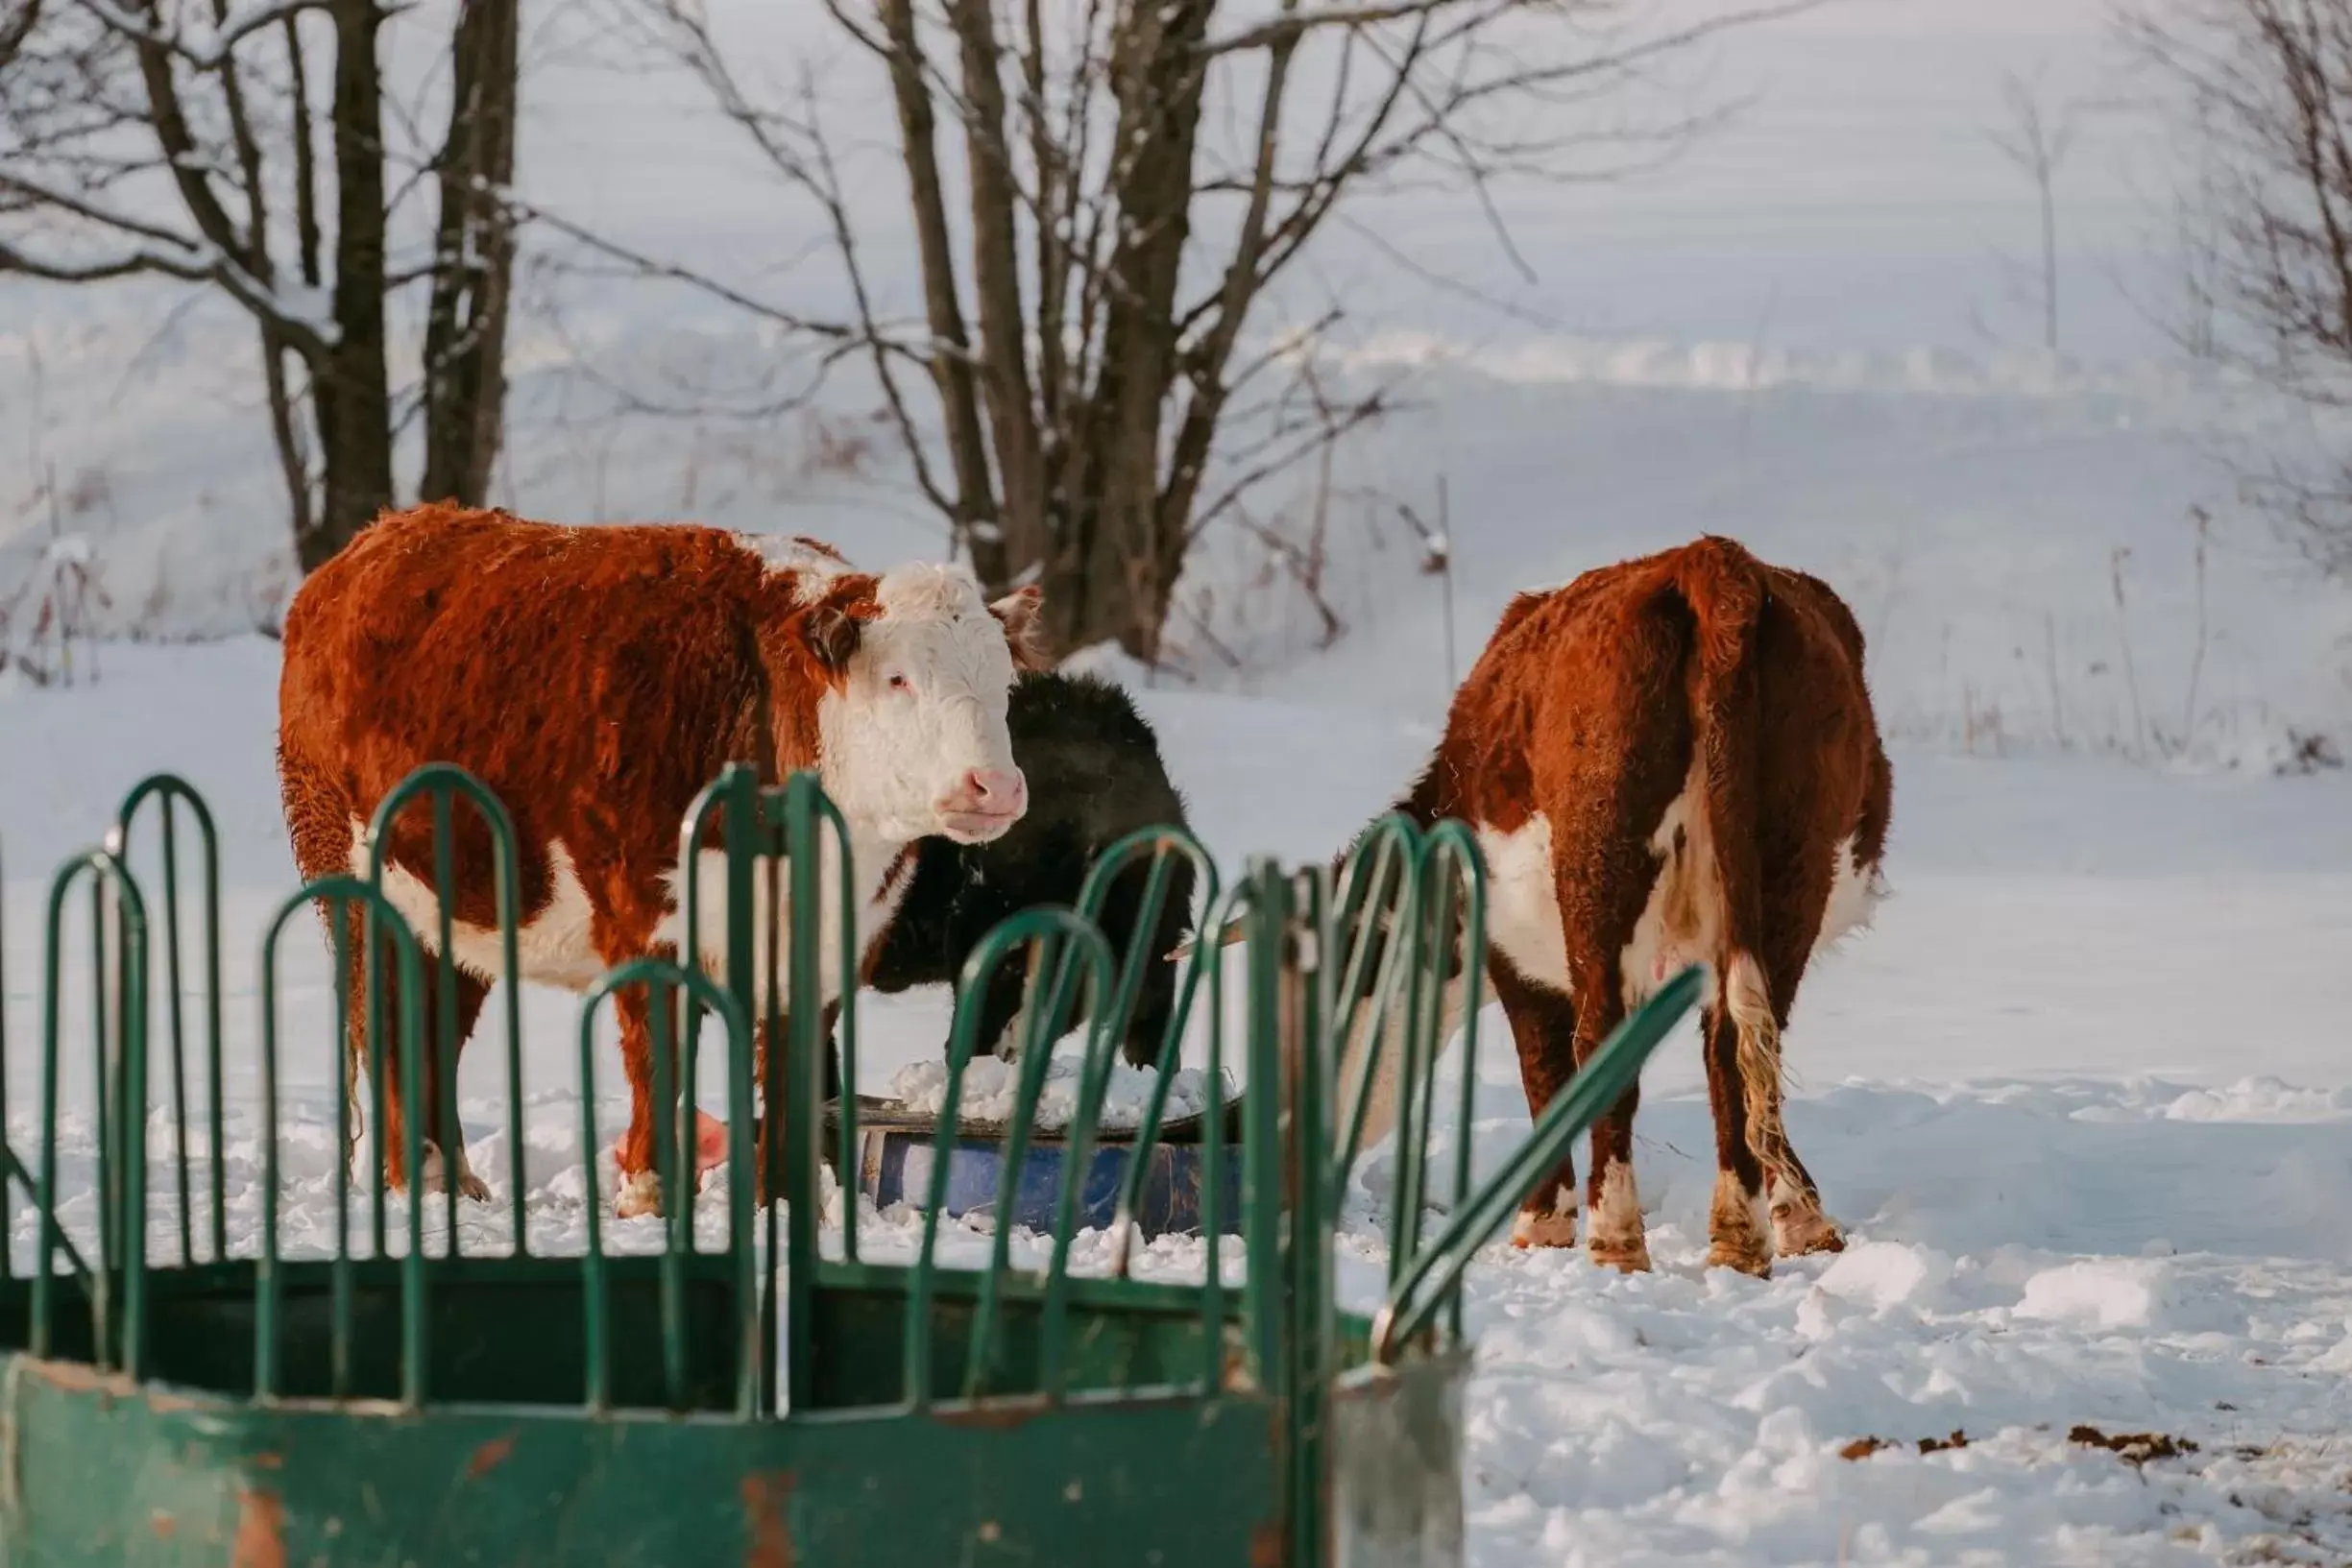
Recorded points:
978,523
1105,581
350,386
465,328
996,277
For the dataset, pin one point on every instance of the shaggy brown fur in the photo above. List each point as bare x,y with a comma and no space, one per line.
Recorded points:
1694,732
594,679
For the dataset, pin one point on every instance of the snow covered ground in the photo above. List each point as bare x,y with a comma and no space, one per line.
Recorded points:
2082,1096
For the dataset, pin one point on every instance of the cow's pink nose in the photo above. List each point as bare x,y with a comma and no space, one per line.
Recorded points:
993,791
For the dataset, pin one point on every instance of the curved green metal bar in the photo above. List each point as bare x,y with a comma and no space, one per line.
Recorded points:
338,894
1365,906
11,1167
962,1040
123,1057
1088,945
441,782
1310,1354
1437,1272
1262,1166
1204,960
666,982
1453,848
846,1030
735,793
172,790
1382,896
806,811
1159,843
1433,918
1237,902
1043,1025
735,790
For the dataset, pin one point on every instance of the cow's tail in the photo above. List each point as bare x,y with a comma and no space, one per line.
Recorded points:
1724,587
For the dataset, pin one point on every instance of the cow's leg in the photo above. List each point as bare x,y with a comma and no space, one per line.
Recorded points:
1146,1030
638,1191
1614,1237
1604,882
638,1188
999,1005
391,1023
1735,1231
1799,1225
1544,1028
469,993
771,1108
319,822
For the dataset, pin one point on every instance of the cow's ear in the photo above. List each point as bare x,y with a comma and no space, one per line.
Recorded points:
1024,628
830,635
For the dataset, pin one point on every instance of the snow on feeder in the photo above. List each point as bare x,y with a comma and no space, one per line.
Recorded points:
1136,1142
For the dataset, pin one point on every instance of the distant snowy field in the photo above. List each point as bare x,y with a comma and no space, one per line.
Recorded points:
2082,1096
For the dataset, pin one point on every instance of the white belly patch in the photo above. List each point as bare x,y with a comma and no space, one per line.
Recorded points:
1523,901
555,946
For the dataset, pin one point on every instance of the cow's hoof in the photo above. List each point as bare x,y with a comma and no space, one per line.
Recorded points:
1807,1231
1626,1254
1533,1229
1738,1231
640,1196
468,1185
1748,1254
1798,1225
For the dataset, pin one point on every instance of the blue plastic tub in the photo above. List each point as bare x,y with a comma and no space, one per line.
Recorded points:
897,1161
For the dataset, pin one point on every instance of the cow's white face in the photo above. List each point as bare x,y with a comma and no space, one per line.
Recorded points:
912,727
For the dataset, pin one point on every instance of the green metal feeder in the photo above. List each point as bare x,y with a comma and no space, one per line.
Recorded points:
774,1401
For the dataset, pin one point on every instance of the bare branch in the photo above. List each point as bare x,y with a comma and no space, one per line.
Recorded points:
1286,30
210,51
654,267
160,251
16,29
1111,283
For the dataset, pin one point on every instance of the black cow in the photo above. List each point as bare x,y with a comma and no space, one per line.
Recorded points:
1094,776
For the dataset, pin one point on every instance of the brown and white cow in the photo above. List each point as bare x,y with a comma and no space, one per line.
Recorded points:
595,679
1669,761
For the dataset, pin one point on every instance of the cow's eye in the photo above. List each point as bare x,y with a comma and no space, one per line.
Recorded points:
898,683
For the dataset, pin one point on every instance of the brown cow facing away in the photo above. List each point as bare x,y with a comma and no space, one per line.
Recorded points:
595,679
1669,761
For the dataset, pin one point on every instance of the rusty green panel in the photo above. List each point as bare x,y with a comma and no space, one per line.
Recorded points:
503,1330
1120,1333
195,1481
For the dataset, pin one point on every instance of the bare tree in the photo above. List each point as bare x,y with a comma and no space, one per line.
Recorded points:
2265,87
2037,138
1134,179
241,146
